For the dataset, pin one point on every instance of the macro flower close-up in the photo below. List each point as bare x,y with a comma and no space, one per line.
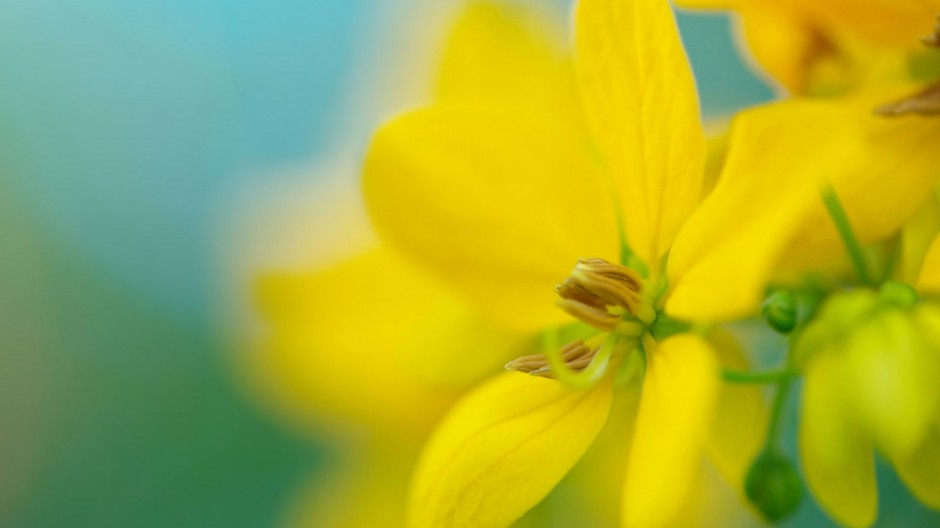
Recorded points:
472,263
497,200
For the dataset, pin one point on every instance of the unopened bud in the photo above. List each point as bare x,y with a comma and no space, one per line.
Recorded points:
780,311
773,486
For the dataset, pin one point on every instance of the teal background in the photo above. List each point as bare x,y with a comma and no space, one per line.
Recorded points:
121,124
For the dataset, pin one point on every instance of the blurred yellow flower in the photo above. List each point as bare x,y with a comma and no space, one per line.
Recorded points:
823,45
375,384
871,362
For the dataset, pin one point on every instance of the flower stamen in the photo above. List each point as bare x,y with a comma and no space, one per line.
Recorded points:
599,318
576,355
598,292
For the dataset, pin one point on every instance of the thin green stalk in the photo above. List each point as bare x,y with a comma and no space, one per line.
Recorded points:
763,377
844,226
777,415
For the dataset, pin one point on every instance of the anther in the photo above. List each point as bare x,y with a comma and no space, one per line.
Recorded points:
596,288
576,355
599,318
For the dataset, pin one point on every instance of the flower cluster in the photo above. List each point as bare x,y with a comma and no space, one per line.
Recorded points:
559,210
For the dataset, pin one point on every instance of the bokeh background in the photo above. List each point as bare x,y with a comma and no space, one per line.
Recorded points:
151,156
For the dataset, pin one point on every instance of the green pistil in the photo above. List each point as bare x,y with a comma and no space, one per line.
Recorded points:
844,226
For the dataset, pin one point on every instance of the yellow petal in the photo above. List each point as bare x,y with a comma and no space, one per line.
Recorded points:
499,201
594,488
837,455
893,379
370,341
706,4
723,257
596,482
501,51
502,449
929,280
882,171
740,418
818,46
673,422
920,468
642,107
910,19
782,42
896,177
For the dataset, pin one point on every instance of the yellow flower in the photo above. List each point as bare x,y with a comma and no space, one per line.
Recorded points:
499,188
821,45
500,200
368,352
871,362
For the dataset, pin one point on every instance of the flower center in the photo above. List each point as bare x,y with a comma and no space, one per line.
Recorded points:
606,296
600,293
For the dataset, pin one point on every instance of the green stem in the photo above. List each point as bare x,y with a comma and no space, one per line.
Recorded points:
844,226
777,416
767,376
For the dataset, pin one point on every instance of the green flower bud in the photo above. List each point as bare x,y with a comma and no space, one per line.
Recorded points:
780,311
897,294
773,486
